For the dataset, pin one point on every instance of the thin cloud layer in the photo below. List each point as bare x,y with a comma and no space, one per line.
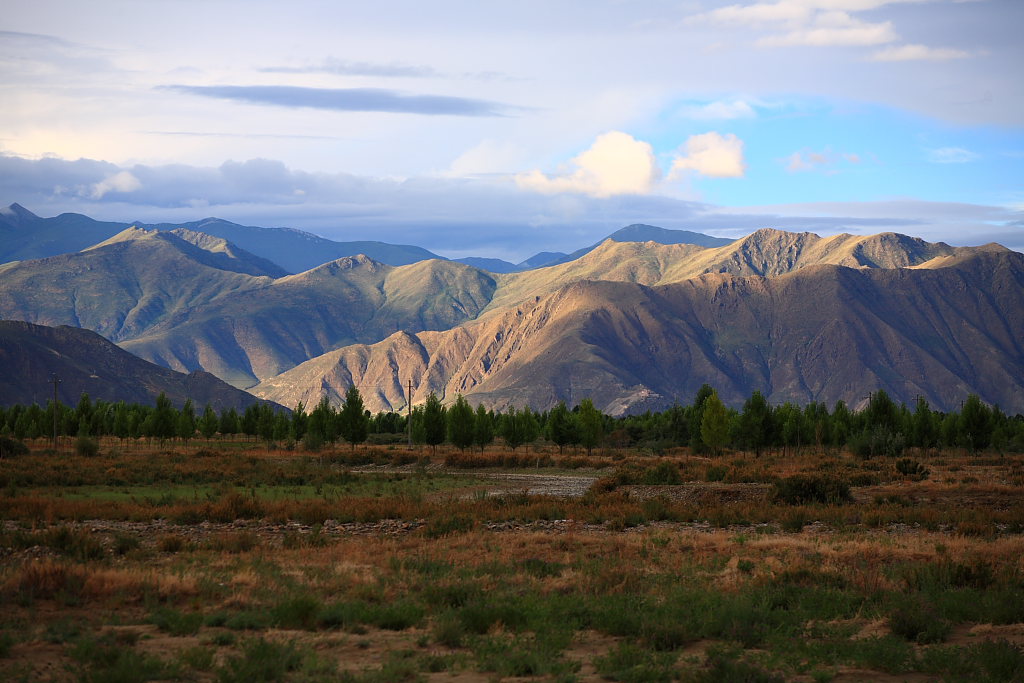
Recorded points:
826,23
347,99
454,217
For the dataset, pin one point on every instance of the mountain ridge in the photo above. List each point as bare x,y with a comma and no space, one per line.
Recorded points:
85,362
853,333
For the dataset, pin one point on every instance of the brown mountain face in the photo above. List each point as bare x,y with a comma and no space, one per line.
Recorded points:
86,362
189,301
819,333
765,252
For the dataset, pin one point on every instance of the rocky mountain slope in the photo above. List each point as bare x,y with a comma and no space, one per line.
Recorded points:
189,301
86,362
823,332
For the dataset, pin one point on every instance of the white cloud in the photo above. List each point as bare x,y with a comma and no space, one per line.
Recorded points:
615,164
822,23
810,160
122,181
907,53
720,110
951,155
711,154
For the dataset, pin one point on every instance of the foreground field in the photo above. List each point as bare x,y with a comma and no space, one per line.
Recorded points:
388,565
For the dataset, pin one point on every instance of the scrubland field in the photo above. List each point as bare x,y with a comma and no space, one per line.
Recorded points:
226,561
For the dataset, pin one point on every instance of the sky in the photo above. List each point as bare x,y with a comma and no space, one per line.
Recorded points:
503,129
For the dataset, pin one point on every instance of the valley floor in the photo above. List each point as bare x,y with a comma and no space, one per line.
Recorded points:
226,562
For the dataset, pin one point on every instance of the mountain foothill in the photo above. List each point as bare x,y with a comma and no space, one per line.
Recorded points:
638,321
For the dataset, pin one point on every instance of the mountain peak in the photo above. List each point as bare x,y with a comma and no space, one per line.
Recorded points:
132,234
17,212
640,232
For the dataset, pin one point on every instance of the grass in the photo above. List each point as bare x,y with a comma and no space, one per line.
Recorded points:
384,576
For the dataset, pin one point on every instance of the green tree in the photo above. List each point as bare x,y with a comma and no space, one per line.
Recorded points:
924,432
418,426
561,427
208,423
434,425
975,424
229,421
513,428
714,425
185,426
591,425
122,421
483,428
352,422
461,423
321,421
755,423
696,417
297,428
163,421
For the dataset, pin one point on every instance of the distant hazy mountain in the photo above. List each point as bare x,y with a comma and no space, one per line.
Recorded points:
818,333
631,233
297,251
638,232
24,235
213,307
86,362
492,265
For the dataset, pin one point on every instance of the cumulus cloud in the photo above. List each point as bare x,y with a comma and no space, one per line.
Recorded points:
122,181
347,99
951,155
907,53
713,155
615,164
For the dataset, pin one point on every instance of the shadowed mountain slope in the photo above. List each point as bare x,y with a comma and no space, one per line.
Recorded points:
86,362
820,333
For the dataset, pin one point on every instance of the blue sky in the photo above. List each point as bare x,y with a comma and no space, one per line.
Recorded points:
501,130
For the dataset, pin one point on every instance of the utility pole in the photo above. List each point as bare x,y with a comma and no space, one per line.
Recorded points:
55,381
408,419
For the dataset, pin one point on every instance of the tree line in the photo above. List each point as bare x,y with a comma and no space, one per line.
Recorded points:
882,427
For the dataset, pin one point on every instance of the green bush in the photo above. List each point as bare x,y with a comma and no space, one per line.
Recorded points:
911,468
919,623
801,489
11,447
662,473
87,447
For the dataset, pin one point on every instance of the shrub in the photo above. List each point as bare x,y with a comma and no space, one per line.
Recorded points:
261,660
919,623
662,473
11,447
911,468
87,447
879,441
801,489
175,622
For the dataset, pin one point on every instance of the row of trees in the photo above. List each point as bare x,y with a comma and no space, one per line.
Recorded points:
706,425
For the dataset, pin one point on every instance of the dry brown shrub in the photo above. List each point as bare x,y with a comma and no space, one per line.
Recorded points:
44,579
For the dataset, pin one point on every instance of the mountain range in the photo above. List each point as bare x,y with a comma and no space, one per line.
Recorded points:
632,322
